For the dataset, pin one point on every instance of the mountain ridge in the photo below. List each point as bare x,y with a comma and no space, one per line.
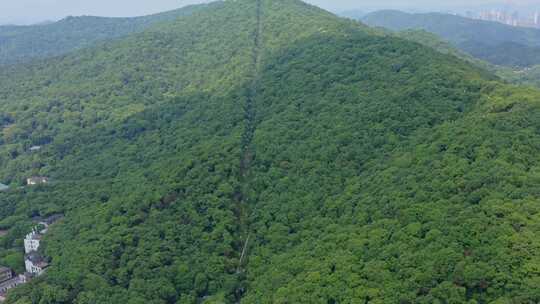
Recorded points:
482,39
20,44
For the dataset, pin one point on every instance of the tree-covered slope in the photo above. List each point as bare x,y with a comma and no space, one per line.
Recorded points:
528,76
270,152
491,41
24,43
433,41
391,189
521,76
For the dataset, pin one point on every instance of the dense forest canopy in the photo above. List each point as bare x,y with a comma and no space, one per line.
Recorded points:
494,42
267,151
19,44
522,76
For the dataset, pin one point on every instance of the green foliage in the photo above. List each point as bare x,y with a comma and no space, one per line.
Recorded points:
510,54
13,259
440,45
383,171
20,44
493,42
527,76
522,76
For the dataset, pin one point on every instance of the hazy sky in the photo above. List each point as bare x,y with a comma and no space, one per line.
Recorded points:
30,11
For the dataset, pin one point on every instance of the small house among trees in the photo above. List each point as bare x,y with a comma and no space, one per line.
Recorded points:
37,180
5,274
35,264
51,219
11,283
8,281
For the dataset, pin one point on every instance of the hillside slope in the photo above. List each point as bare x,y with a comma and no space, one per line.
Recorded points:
431,40
529,76
24,43
519,76
490,41
269,152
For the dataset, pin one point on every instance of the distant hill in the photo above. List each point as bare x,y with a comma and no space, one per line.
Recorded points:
23,43
46,22
520,76
491,41
431,40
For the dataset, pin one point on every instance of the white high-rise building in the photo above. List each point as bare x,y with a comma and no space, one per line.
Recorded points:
31,242
537,18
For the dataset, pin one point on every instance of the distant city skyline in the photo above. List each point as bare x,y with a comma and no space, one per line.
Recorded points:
530,18
35,11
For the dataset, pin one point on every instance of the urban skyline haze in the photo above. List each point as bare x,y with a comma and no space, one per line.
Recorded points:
34,11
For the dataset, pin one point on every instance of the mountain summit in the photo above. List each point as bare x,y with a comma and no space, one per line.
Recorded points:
267,151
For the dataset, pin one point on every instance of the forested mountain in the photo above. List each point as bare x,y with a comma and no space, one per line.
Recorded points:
433,41
520,76
494,42
528,76
23,43
268,151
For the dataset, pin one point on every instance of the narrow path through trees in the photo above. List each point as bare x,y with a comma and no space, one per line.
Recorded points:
248,152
